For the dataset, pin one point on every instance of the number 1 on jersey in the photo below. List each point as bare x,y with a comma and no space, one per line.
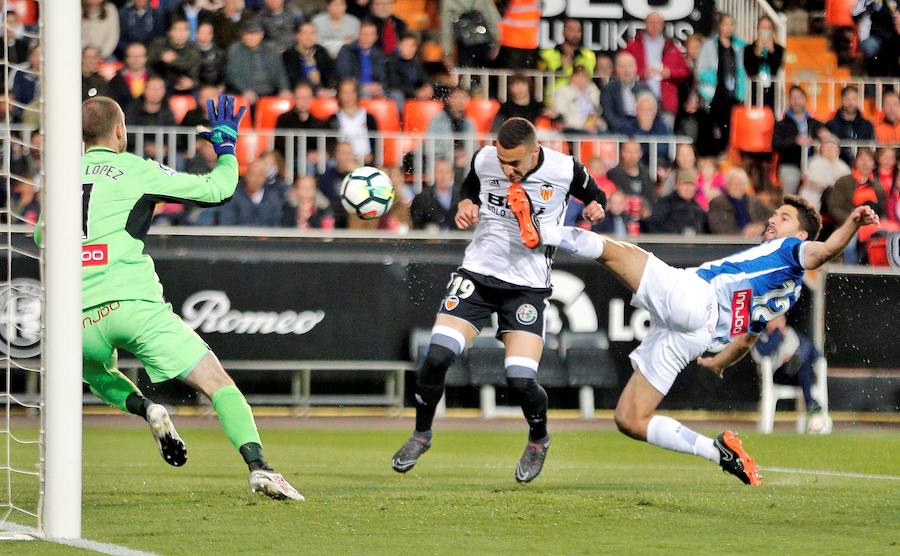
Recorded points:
86,190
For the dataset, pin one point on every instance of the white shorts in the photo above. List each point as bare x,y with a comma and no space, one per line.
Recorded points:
683,315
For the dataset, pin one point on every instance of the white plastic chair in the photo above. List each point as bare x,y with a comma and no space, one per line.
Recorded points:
770,393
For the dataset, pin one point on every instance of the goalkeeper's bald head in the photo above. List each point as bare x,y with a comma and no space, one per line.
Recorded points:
103,123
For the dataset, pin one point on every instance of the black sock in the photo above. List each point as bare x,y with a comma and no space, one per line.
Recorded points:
430,385
253,457
137,404
533,399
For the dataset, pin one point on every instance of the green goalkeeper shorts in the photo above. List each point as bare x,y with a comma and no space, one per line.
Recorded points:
166,346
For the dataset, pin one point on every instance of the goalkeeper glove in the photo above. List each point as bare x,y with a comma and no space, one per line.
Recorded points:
224,122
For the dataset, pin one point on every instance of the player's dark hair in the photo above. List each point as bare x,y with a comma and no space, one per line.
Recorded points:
809,218
515,132
99,116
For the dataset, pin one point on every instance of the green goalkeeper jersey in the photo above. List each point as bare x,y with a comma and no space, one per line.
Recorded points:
119,193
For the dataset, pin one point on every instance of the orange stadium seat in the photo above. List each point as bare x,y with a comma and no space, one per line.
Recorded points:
249,147
324,107
181,105
109,69
839,13
417,114
269,108
605,150
752,129
483,111
387,117
246,123
26,9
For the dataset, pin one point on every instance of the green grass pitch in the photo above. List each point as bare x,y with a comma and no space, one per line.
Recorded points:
600,493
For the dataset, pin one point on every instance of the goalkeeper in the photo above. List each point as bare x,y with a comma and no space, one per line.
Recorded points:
122,299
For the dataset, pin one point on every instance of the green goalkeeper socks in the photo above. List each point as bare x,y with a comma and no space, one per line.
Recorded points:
235,415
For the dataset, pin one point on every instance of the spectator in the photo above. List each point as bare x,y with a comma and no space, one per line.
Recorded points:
796,131
307,208
92,83
254,68
353,123
694,122
128,83
678,212
632,178
888,131
848,122
722,79
280,23
685,159
893,204
878,29
405,77
100,26
139,22
25,200
886,166
710,180
363,61
605,69
310,8
174,59
519,29
660,64
520,103
398,219
762,62
336,28
211,70
150,109
737,212
195,12
359,8
308,61
571,52
617,221
858,188
229,23
390,27
16,47
692,46
823,170
203,161
648,123
620,94
299,117
578,103
451,120
26,84
330,180
435,207
462,47
254,203
200,114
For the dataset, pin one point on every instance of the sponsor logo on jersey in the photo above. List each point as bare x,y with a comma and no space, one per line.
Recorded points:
494,183
100,313
546,192
740,312
20,318
526,314
94,255
166,169
451,302
210,311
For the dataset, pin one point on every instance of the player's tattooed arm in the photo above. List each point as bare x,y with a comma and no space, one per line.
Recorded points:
733,352
817,253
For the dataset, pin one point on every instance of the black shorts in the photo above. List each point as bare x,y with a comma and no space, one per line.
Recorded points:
474,298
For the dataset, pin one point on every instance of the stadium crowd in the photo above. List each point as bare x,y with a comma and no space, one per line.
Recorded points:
150,55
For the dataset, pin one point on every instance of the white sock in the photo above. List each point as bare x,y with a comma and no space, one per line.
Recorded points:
668,433
575,241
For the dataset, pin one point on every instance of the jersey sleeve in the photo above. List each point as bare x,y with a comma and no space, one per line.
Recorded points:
584,188
471,187
792,251
213,188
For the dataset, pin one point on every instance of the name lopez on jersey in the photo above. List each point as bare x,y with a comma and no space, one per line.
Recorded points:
107,170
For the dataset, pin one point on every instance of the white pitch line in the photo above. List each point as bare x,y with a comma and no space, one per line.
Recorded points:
101,547
842,474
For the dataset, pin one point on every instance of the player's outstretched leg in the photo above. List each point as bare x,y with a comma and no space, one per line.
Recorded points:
523,353
237,421
520,205
447,342
635,417
114,388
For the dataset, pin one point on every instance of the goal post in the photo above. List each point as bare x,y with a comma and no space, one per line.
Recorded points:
62,388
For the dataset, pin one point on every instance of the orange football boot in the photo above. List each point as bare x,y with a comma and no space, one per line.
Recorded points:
520,205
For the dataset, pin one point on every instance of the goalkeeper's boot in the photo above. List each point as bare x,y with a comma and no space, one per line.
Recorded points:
520,204
266,480
532,460
408,454
171,446
735,460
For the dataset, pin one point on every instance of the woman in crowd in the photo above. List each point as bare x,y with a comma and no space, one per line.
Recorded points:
762,61
721,76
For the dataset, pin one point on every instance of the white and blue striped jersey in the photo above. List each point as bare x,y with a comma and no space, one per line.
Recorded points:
755,286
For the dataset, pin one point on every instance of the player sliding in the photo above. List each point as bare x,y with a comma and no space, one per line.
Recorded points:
722,306
500,275
123,299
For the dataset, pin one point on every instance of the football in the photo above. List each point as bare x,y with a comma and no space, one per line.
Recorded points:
367,192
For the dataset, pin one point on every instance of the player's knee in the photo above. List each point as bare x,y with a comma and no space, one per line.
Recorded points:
528,391
430,378
627,421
